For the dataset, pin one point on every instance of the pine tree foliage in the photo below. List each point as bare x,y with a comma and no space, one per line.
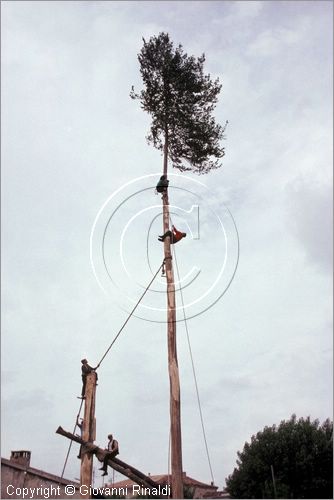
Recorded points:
301,454
181,100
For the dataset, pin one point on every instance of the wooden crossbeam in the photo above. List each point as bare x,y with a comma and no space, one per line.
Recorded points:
120,466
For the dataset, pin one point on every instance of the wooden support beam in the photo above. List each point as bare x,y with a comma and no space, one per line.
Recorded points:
88,434
123,468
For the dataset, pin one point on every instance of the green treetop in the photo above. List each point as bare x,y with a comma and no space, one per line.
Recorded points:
180,99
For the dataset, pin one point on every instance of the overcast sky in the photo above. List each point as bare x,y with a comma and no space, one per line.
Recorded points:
71,137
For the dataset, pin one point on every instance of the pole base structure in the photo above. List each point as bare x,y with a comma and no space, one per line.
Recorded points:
88,435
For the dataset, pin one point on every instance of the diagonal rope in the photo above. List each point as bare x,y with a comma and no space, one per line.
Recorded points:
131,313
104,355
70,445
193,368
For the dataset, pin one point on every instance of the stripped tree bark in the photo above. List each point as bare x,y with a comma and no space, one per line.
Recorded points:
173,369
88,434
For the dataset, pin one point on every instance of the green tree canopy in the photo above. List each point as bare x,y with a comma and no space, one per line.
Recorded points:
301,454
180,99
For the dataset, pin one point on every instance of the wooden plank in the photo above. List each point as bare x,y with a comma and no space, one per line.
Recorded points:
120,466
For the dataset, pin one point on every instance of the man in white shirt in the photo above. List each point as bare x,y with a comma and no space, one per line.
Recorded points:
112,450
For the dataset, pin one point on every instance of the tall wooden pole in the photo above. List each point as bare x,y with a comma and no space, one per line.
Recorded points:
88,434
173,369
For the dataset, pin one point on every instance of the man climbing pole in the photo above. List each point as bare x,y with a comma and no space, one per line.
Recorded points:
85,369
112,450
162,185
174,235
80,425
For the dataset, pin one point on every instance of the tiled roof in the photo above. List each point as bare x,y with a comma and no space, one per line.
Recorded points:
37,472
163,479
216,494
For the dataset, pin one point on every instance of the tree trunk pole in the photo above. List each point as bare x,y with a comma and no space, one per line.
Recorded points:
175,400
88,434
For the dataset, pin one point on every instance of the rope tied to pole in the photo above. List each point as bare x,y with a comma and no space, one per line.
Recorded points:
105,354
131,313
193,366
70,445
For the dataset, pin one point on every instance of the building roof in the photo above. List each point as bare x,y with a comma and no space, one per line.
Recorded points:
165,479
38,472
216,494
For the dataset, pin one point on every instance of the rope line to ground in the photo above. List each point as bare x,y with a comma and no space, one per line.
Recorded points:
70,445
104,355
193,367
131,313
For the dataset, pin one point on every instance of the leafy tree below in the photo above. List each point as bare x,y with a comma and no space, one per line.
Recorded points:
301,455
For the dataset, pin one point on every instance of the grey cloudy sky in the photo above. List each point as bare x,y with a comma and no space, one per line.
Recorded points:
71,136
